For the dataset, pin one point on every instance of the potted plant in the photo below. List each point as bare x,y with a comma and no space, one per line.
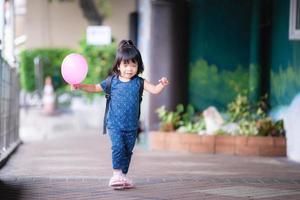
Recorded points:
178,130
169,121
255,132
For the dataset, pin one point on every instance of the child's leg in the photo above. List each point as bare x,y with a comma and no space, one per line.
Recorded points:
129,142
118,153
118,149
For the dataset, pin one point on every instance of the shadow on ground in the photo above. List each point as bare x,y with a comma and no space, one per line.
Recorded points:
10,190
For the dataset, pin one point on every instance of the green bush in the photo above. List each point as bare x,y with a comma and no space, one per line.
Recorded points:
213,85
169,120
100,60
182,120
253,119
51,59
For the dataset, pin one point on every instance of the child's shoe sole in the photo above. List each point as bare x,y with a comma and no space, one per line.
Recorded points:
128,186
118,186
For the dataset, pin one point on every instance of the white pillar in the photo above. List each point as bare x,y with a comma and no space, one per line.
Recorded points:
1,26
12,28
292,128
144,10
9,32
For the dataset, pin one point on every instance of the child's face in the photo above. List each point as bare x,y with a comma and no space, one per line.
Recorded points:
128,69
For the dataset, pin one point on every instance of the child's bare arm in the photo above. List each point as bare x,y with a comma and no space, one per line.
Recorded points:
156,89
87,87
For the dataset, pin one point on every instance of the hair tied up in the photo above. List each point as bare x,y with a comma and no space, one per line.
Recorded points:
130,42
126,43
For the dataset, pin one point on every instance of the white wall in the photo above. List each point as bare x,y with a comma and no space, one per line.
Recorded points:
56,24
62,24
119,18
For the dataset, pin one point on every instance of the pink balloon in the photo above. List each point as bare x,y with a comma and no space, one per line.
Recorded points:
74,68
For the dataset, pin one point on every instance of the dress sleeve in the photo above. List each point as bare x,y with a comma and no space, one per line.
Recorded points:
141,80
103,85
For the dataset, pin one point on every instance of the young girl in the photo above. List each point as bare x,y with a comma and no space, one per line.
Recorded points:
123,113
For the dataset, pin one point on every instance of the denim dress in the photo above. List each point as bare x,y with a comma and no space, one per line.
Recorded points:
122,119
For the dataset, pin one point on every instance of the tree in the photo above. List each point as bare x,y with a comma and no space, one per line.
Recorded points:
95,10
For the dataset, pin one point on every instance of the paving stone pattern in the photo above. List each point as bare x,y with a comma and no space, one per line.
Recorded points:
72,161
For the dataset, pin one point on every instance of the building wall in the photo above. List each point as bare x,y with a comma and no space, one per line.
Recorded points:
56,24
285,59
219,51
220,40
285,82
20,12
119,18
62,24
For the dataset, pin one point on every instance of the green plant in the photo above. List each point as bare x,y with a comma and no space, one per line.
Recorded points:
221,132
188,115
51,59
182,120
266,127
100,60
239,108
253,119
169,120
190,123
192,127
247,127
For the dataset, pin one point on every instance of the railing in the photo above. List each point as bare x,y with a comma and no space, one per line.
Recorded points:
9,109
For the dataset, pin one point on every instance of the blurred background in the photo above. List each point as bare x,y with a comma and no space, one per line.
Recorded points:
213,52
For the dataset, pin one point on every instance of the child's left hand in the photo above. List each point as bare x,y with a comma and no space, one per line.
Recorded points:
164,81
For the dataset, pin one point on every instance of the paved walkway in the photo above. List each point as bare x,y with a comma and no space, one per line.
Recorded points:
65,157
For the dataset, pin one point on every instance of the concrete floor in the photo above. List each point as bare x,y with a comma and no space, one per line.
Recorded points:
66,157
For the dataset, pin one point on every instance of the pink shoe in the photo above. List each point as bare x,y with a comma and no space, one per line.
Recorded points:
128,184
117,182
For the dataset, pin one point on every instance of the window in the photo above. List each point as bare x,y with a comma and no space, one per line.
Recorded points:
294,30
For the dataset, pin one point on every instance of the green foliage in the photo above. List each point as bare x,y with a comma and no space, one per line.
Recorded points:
252,119
207,82
169,120
188,115
247,127
194,126
239,108
267,127
221,132
190,122
100,60
51,59
182,120
285,84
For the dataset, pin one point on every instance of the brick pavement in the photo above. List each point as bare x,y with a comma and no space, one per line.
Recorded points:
73,162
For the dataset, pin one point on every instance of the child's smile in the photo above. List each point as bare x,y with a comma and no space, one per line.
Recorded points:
128,69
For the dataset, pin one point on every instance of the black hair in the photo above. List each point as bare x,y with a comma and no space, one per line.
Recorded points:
127,51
